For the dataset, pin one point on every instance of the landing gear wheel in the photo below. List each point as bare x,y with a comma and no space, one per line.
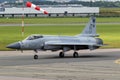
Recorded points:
35,56
75,55
61,54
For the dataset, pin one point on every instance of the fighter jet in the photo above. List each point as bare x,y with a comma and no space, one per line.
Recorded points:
88,39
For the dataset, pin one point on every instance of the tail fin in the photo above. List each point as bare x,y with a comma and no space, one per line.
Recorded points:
90,29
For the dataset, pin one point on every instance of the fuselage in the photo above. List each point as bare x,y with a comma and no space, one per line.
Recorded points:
39,42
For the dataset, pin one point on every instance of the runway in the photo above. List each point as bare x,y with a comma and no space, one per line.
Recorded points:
90,65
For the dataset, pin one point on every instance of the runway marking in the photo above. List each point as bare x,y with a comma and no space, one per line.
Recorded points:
117,61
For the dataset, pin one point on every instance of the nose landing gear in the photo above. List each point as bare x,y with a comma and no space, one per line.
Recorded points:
35,56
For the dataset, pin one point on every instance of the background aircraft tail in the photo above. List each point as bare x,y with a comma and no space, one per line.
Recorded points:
90,29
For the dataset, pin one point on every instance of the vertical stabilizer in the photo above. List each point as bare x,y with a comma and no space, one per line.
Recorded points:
90,29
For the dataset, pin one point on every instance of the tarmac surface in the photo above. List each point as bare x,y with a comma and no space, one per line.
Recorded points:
101,64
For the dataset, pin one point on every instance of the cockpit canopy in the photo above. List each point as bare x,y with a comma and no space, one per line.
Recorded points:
32,37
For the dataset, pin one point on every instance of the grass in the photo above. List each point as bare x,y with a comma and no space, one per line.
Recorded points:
55,20
108,32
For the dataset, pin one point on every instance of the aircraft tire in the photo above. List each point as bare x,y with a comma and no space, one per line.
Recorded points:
35,56
61,54
75,54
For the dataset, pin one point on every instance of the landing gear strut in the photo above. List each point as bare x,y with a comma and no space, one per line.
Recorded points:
61,54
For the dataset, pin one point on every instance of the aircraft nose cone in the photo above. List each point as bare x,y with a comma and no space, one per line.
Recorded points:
14,45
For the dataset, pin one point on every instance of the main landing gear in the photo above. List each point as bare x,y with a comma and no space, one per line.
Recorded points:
75,54
62,54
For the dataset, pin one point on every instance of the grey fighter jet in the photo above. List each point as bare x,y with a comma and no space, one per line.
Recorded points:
86,40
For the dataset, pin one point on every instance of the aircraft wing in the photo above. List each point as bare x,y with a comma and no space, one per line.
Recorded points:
59,43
